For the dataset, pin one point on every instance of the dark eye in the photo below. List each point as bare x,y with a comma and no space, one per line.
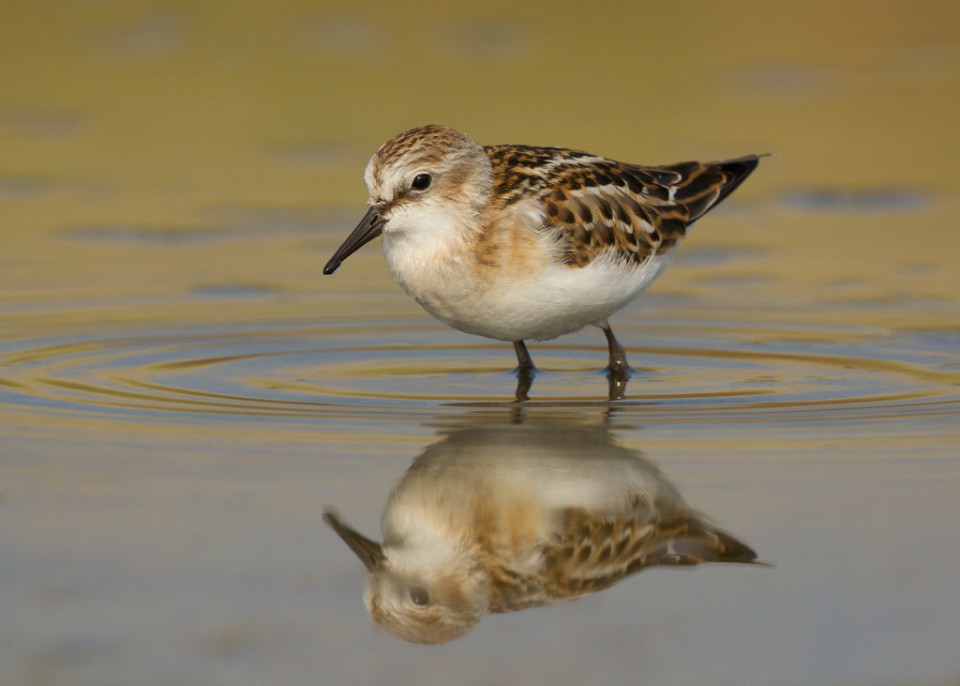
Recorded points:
419,596
421,182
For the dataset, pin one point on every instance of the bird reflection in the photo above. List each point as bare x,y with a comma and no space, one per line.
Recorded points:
503,518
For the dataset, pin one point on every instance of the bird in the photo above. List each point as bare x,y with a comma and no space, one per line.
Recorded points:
519,242
501,518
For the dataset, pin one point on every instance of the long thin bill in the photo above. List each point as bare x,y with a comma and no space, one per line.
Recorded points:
369,552
369,228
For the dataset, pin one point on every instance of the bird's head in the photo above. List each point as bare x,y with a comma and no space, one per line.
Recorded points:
421,595
425,184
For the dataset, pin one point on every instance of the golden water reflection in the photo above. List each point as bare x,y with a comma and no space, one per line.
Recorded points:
508,517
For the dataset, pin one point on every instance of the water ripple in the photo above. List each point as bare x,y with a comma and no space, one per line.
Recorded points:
299,372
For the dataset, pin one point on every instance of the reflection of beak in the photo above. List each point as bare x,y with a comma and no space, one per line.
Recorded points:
369,552
369,228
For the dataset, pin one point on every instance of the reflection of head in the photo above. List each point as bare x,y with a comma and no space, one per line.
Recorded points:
504,518
435,607
415,594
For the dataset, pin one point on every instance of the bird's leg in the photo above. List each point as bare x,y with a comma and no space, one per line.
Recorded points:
618,371
523,357
525,371
618,356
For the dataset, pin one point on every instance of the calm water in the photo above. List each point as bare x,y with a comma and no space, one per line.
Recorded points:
182,393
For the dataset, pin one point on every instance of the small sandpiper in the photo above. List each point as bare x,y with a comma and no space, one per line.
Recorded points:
516,242
496,519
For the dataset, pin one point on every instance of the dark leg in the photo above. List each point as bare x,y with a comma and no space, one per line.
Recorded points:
523,357
618,356
525,371
618,371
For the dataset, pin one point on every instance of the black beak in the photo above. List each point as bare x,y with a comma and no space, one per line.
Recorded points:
369,552
369,228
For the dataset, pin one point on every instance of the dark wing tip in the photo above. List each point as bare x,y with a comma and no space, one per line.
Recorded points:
732,550
737,170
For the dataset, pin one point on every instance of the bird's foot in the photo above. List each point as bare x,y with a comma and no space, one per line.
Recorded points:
524,382
618,375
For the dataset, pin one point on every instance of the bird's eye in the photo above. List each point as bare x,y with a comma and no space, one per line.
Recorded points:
419,596
421,182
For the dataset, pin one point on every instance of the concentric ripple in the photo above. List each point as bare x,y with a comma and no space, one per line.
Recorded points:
301,372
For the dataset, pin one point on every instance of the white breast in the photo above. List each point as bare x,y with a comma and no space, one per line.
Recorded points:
541,301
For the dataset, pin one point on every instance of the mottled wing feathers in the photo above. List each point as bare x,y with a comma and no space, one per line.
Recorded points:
595,204
698,186
592,552
511,590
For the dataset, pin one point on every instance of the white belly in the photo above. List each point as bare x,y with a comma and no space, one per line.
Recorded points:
536,304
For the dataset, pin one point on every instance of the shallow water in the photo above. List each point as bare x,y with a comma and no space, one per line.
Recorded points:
182,393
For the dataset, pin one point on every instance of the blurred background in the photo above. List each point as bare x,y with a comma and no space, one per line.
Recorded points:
170,116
